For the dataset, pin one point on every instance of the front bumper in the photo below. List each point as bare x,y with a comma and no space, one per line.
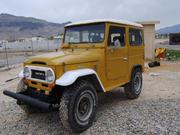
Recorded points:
30,101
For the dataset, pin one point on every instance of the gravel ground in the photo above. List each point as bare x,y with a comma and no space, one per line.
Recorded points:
155,112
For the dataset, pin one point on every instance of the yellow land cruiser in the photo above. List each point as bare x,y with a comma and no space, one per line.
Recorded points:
95,56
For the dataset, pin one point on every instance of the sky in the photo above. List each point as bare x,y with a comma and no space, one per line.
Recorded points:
59,11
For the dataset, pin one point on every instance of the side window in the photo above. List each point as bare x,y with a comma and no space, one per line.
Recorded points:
135,37
116,36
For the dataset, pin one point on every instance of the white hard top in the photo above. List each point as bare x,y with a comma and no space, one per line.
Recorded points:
105,20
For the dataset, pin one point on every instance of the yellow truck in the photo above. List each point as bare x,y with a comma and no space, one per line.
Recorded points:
95,56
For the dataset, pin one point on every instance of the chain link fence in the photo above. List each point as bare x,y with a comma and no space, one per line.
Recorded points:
16,52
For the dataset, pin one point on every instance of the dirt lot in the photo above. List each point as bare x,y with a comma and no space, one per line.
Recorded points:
156,111
164,43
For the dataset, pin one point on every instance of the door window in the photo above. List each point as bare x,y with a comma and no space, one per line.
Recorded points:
116,36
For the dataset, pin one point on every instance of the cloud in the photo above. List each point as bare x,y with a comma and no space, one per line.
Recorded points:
75,10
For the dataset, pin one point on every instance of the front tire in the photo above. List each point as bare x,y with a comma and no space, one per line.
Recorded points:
78,106
134,87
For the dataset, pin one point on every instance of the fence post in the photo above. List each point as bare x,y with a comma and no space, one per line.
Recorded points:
32,46
7,61
57,47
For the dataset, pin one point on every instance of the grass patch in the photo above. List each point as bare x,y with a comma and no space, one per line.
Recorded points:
173,54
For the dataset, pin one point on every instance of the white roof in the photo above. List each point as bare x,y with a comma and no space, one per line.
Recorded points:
105,20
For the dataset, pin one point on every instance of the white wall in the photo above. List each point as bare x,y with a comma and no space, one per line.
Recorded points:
149,36
38,45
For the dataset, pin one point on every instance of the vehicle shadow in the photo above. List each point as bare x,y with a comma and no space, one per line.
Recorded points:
109,99
49,122
115,95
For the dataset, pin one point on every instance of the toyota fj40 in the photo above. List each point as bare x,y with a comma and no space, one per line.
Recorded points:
95,56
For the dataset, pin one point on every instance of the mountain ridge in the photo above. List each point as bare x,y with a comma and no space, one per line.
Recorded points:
169,29
14,27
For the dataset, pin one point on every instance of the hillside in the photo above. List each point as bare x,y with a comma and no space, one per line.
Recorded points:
13,27
171,29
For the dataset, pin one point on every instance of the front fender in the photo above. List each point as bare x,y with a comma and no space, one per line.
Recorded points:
70,77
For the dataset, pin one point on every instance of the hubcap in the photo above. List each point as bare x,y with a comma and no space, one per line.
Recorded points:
84,107
137,82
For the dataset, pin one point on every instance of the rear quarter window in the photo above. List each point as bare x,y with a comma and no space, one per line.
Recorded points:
135,37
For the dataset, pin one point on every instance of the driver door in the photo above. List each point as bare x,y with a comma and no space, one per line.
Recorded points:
117,54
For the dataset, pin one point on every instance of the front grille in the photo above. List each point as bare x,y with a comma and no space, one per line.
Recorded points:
36,74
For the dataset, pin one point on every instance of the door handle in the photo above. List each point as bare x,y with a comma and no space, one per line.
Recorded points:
125,58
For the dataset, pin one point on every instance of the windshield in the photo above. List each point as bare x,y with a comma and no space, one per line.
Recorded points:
93,33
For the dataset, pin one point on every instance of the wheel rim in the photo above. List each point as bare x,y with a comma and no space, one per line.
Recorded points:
84,107
137,83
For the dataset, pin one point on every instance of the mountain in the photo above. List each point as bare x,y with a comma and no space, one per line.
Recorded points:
14,27
171,29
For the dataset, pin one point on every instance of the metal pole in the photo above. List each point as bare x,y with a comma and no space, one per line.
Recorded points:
57,47
48,44
32,46
6,55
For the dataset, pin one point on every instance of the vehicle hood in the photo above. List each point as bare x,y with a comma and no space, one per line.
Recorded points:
65,57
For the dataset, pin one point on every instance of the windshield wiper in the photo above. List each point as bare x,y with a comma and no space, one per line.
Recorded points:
79,42
85,42
72,43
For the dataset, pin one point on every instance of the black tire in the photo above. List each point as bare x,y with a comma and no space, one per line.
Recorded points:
134,87
26,108
72,117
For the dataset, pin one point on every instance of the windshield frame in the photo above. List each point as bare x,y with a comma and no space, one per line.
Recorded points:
90,24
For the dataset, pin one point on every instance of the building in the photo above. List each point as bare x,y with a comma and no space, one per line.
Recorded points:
149,36
174,38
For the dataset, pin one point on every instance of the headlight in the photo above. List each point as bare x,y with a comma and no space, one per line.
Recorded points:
26,72
49,76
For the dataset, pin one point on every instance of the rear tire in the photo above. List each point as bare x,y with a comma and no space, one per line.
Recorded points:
78,107
134,87
26,108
